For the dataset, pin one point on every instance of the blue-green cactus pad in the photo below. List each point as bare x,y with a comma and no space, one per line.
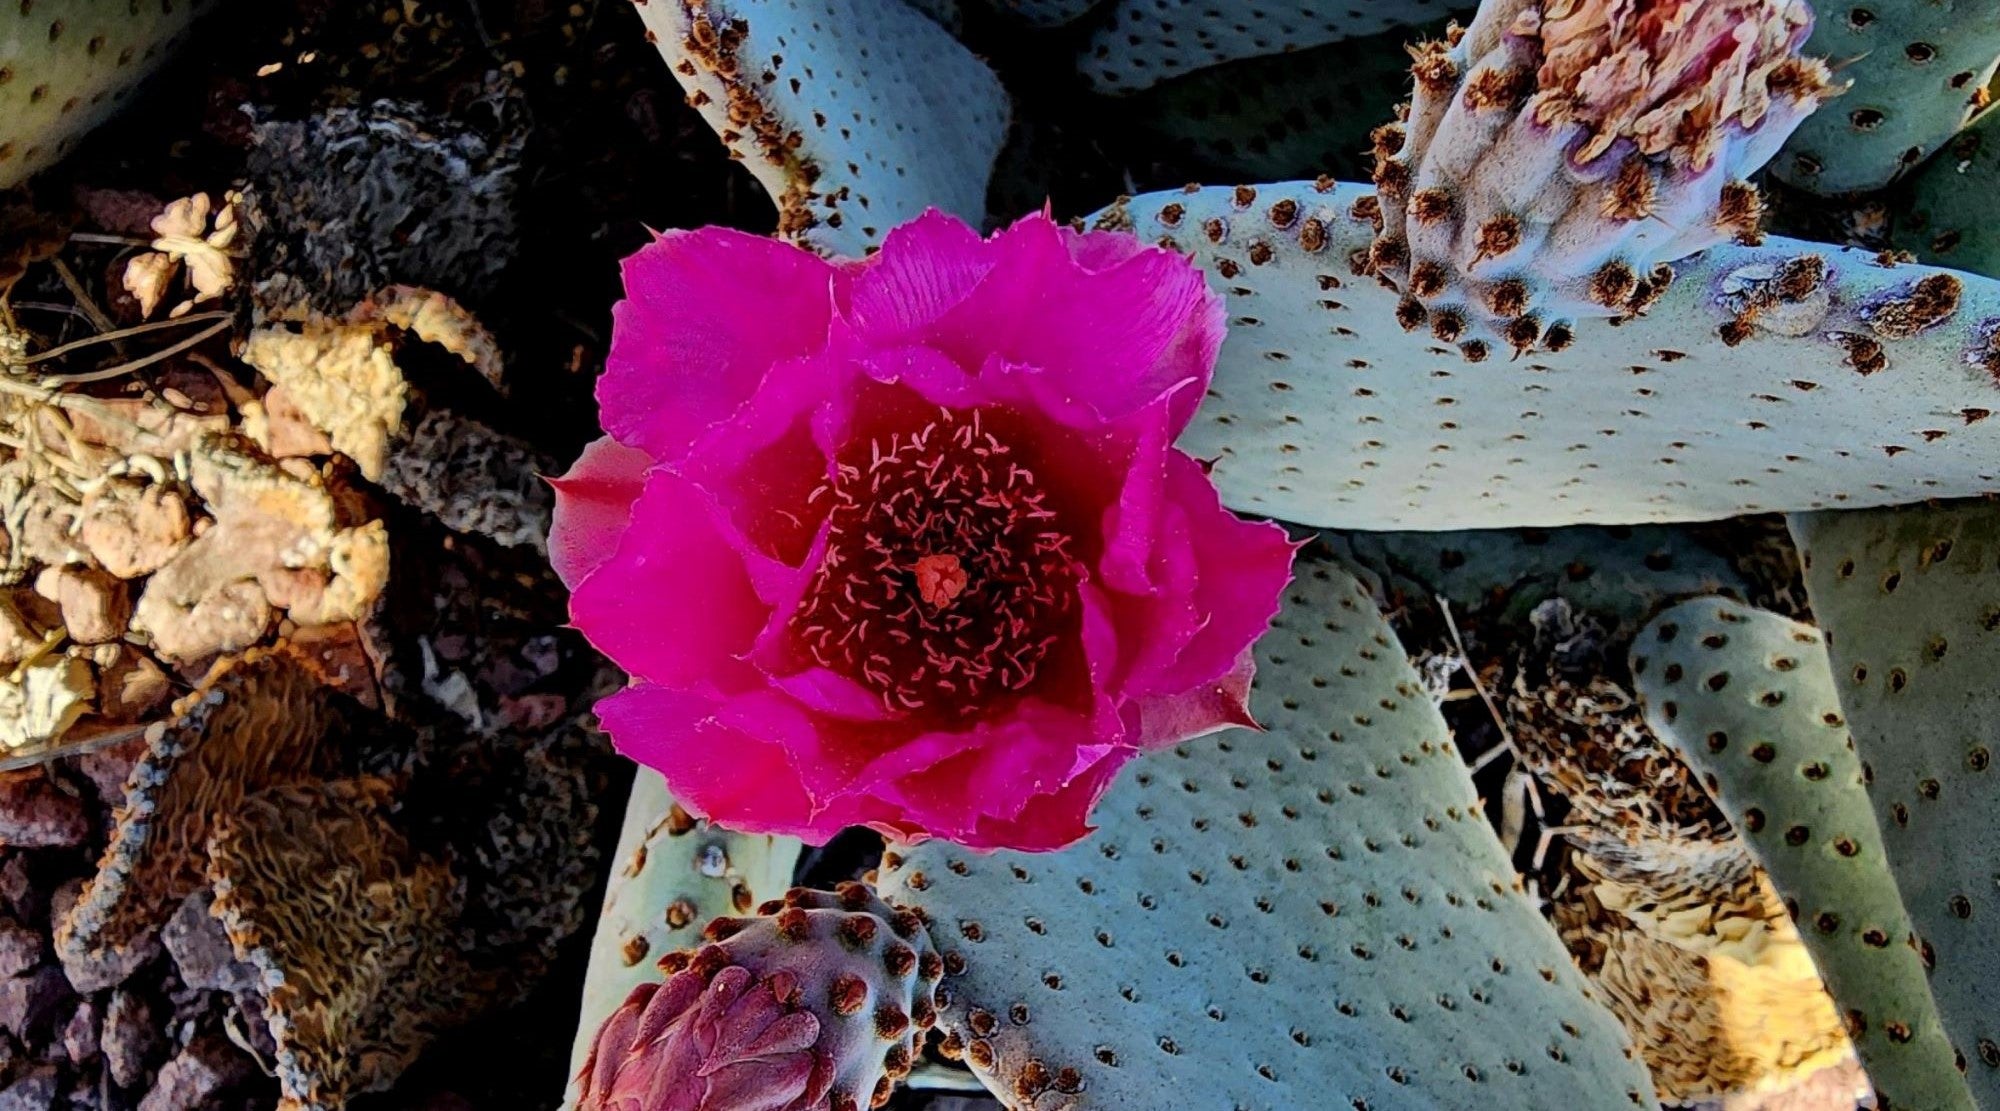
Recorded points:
1910,601
1871,387
1145,42
1747,698
1918,67
856,115
1313,917
67,65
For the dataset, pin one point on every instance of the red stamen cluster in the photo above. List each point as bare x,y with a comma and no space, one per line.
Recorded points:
948,574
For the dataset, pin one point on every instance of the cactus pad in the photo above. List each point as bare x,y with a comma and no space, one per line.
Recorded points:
1317,916
672,875
1144,42
1848,383
1918,68
1045,13
1747,698
1951,215
1282,116
866,971
856,115
66,66
1910,601
1614,574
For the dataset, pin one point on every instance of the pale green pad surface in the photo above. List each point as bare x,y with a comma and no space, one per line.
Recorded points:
1747,698
1910,602
1313,917
1324,411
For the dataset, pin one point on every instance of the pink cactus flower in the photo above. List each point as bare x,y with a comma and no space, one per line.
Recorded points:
904,542
734,1043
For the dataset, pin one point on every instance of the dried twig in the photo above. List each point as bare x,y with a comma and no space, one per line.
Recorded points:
122,333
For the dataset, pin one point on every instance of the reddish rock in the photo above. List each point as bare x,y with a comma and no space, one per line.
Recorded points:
18,891
28,1004
108,768
37,813
95,972
201,949
128,1037
20,949
34,1092
79,1038
198,1074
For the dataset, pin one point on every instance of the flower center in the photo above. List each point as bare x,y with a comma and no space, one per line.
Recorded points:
940,579
948,575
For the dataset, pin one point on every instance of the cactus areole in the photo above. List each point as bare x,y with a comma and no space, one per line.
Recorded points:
905,542
1555,155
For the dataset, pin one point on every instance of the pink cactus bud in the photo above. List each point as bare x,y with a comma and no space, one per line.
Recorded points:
815,1005
734,1042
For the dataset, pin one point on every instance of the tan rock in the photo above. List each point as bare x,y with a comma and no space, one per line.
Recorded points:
130,687
132,527
279,541
286,430
95,605
18,636
39,702
342,378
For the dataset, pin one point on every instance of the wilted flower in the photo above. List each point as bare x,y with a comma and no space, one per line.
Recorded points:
185,238
905,542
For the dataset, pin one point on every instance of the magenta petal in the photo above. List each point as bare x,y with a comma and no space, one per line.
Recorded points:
707,313
1170,719
1102,250
593,505
1054,821
1243,568
636,607
833,694
1132,524
925,268
1109,341
715,770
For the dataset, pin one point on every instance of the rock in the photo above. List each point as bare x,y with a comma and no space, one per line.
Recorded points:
79,1037
36,813
205,1069
102,970
92,972
19,638
128,1037
201,949
95,606
132,527
108,768
29,1003
19,892
131,686
20,948
34,1092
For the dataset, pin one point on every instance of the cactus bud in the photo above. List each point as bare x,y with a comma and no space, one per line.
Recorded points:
813,1007
1580,136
